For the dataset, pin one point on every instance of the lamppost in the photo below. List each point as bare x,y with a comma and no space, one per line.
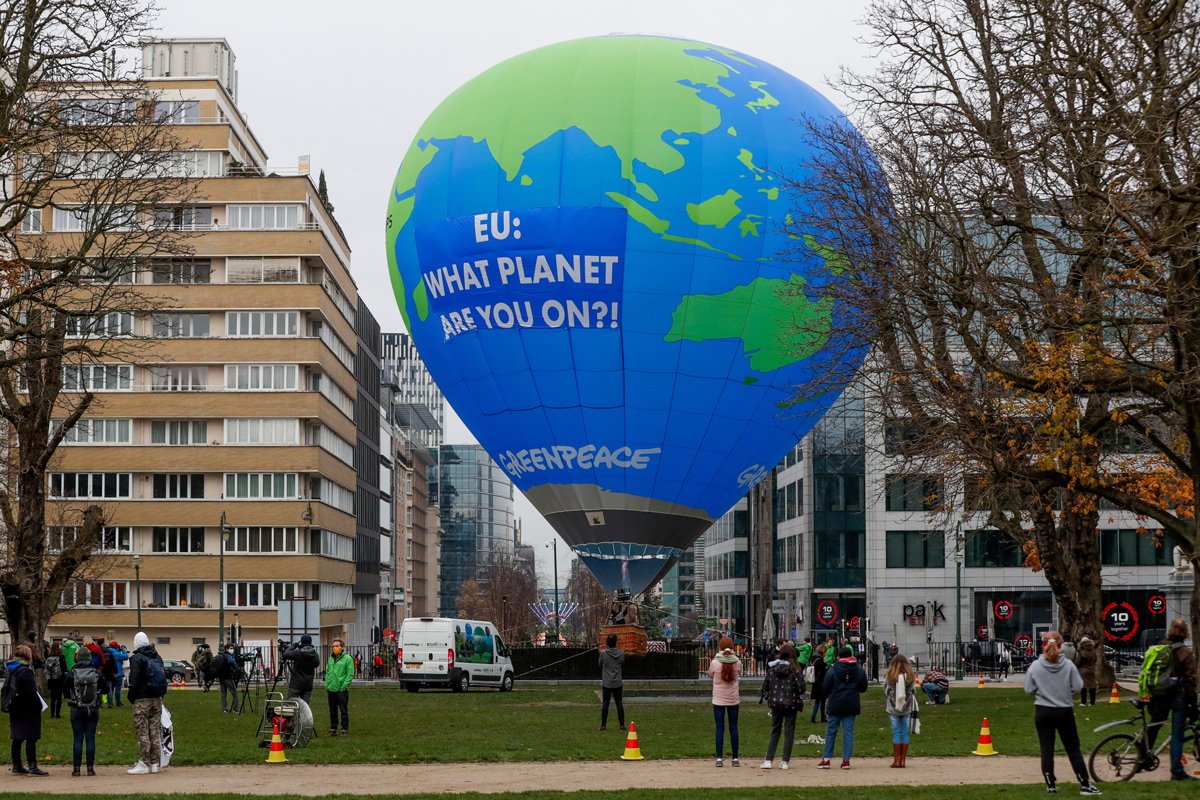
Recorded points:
137,579
554,544
226,529
504,615
958,564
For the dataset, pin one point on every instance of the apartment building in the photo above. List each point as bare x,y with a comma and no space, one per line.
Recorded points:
228,456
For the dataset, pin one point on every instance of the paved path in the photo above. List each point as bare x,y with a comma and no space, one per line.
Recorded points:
313,780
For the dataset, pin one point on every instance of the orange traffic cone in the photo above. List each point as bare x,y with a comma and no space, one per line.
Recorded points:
276,755
1114,698
981,680
632,751
985,741
175,684
918,677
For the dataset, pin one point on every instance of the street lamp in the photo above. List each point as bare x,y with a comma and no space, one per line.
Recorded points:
226,529
137,579
958,564
554,544
504,615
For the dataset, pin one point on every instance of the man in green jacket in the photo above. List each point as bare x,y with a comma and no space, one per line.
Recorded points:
831,650
339,672
804,652
69,648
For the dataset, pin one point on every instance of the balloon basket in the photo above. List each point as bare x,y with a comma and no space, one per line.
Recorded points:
630,638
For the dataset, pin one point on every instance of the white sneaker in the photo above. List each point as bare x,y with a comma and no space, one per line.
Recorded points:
784,765
766,764
154,769
139,769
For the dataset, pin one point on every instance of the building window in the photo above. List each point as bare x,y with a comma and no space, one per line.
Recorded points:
262,485
177,112
262,377
32,221
179,326
97,377
335,545
258,595
838,492
265,217
181,270
263,540
1132,547
101,217
916,549
111,539
115,323
183,218
93,430
179,431
262,323
262,431
189,378
167,594
96,594
840,558
179,486
262,270
913,492
178,540
89,485
98,111
991,548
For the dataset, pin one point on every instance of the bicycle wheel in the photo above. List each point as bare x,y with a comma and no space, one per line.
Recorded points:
1115,758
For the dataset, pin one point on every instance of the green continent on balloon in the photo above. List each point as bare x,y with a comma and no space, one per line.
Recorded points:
717,211
775,322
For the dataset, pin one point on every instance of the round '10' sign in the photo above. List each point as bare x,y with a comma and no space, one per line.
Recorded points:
1120,622
1157,604
827,612
1003,609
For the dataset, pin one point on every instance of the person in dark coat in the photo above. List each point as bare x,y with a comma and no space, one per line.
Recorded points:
304,660
1086,662
25,713
818,685
844,685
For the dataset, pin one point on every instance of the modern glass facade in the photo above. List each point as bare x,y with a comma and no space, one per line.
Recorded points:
476,498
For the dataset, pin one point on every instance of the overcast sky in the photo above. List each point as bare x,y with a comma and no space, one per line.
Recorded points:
350,82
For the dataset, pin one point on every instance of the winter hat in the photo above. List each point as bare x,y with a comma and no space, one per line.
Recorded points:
140,640
1086,640
113,644
306,639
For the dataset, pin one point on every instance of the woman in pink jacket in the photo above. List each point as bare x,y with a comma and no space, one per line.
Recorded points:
726,673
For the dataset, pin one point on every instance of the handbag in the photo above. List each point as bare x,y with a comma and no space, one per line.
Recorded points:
810,673
916,717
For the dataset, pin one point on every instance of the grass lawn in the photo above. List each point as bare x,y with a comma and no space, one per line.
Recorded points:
1127,791
549,723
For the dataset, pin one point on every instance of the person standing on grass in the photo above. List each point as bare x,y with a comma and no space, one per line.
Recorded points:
804,652
818,685
1179,701
82,685
900,687
147,687
783,691
304,660
69,648
339,673
1085,662
612,661
726,673
845,681
55,674
226,667
25,713
1054,681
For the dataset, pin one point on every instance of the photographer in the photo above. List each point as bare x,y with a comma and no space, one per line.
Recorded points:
227,671
304,661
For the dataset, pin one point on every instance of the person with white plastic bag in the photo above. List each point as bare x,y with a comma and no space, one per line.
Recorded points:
900,690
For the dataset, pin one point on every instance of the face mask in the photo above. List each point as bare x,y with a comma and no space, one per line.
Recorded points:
337,651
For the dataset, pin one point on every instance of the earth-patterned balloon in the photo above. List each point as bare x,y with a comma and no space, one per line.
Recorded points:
585,242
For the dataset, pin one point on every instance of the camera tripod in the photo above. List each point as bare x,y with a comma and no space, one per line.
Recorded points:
249,666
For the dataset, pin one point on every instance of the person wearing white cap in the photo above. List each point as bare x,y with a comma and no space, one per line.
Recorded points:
147,687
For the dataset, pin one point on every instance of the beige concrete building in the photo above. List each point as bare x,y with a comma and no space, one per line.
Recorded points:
240,407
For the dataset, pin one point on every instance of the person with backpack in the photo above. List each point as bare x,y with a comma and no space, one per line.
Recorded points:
69,648
82,685
339,673
612,662
119,656
147,687
54,680
819,668
203,661
108,669
845,681
226,668
783,691
20,700
304,660
1169,679
726,673
1053,681
899,687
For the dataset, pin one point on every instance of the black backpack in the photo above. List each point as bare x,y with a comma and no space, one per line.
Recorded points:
54,668
155,678
86,692
8,693
784,692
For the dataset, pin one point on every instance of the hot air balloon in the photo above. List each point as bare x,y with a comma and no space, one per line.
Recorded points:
584,242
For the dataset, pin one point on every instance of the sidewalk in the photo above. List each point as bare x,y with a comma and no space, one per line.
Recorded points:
313,780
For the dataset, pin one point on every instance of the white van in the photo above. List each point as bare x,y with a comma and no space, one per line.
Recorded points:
454,653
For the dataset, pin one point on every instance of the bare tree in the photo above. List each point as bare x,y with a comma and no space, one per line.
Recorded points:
1019,225
89,164
594,603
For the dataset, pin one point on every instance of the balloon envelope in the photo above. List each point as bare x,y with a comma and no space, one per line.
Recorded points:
585,244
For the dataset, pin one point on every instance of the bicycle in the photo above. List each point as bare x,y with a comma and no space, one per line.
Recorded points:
1120,756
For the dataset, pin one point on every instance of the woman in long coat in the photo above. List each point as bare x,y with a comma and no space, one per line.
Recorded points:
25,713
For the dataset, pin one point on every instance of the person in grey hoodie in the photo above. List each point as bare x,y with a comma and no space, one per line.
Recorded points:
612,659
1054,681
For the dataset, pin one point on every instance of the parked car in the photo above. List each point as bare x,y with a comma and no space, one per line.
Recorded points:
181,670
